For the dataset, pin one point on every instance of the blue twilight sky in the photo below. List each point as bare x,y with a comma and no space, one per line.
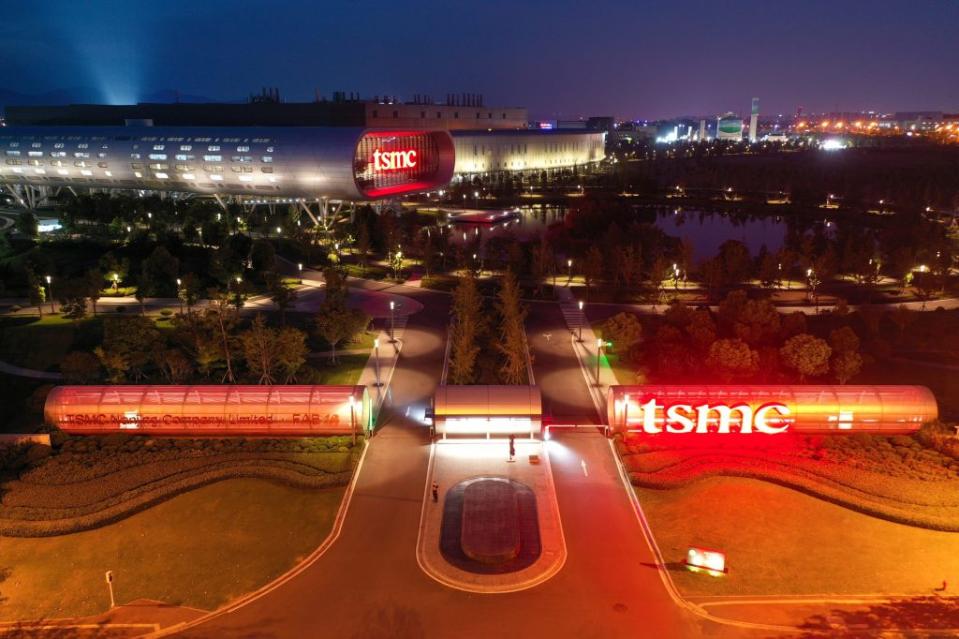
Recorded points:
562,58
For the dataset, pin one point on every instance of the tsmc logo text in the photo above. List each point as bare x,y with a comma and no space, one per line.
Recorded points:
393,160
770,419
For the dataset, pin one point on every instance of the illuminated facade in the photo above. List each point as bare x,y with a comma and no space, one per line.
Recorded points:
771,410
487,410
307,162
210,411
531,150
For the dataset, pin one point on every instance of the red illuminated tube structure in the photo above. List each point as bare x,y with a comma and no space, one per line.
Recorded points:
210,411
771,410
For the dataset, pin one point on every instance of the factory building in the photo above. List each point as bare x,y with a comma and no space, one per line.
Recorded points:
532,150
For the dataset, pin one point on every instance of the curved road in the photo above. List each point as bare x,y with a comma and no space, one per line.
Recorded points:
368,585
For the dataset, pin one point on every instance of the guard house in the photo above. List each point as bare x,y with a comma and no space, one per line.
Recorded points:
488,410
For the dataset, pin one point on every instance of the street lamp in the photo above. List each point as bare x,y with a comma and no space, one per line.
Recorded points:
50,291
392,309
376,359
299,267
116,281
179,293
599,353
582,319
569,271
353,418
626,412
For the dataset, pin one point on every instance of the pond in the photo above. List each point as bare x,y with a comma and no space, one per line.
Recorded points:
706,231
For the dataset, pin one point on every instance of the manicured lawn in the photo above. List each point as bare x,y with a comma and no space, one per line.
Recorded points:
782,542
42,343
200,549
346,371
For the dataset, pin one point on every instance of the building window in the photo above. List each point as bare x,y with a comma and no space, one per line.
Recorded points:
213,158
242,149
158,156
213,147
267,159
186,147
159,147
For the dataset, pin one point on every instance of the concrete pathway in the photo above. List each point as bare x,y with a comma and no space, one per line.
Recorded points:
19,371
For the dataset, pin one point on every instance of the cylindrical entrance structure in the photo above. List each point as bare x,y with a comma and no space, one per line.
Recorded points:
769,409
487,410
210,411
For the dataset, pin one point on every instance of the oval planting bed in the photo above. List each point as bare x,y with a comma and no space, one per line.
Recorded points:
490,526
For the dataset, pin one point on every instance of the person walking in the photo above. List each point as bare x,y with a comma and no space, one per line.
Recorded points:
436,492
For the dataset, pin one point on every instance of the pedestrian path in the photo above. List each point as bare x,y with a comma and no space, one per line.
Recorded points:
597,372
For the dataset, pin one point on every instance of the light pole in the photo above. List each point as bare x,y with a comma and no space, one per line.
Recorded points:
626,412
675,276
392,308
599,353
50,292
582,319
299,267
813,282
569,272
376,359
179,293
108,576
116,282
353,418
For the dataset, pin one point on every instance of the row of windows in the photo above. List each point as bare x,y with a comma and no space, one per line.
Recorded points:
439,115
84,141
245,179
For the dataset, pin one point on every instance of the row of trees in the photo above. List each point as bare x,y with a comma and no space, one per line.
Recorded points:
746,340
485,352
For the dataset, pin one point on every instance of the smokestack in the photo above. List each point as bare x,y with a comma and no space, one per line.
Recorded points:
754,120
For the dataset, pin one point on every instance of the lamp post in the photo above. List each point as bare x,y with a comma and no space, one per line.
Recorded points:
675,276
392,308
299,268
599,353
179,293
582,319
50,292
108,576
376,359
116,282
813,282
353,418
569,272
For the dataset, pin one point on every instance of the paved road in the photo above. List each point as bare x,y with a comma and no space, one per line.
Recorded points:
369,585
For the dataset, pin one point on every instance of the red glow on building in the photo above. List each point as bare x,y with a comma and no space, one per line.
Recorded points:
390,163
212,411
771,410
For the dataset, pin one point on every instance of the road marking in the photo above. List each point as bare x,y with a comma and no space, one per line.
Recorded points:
583,464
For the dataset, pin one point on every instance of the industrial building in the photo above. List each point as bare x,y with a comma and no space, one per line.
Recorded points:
532,150
282,162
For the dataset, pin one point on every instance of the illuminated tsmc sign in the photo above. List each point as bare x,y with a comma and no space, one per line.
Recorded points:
770,419
394,160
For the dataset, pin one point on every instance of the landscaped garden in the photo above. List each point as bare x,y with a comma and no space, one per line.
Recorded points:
838,514
249,508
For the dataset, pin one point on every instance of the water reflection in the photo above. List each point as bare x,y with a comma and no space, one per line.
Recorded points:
705,230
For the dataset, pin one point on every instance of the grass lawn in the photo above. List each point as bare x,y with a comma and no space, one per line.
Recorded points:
346,371
42,343
782,542
199,549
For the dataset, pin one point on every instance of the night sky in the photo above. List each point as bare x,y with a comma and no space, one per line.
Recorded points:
560,58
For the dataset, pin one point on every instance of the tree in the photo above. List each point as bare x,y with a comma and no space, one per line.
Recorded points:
592,268
132,339
174,365
281,294
263,257
846,365
93,280
335,323
624,330
80,367
260,350
512,343
465,329
807,355
224,318
702,330
159,274
758,322
732,359
291,353
73,298
737,264
792,324
27,224
844,340
189,291
35,291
